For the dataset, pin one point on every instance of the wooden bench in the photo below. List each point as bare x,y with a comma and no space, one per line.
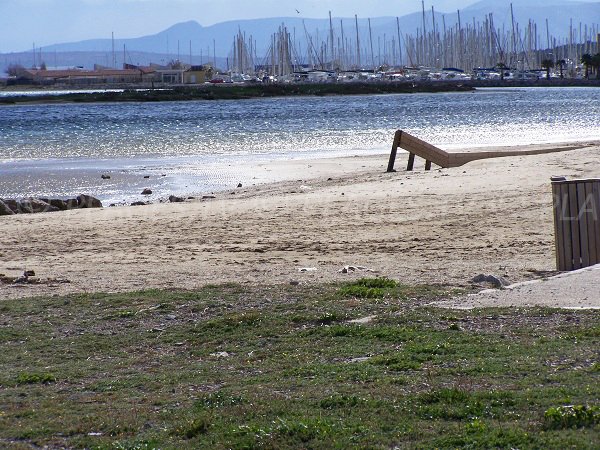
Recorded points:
432,154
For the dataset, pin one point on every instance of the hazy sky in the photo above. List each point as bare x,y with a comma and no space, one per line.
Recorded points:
24,23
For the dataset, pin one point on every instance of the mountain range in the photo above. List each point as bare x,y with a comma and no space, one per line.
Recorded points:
203,43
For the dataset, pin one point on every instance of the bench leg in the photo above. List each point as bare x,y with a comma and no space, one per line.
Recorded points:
411,161
427,165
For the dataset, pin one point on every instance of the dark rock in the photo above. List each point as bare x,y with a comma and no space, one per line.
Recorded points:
24,207
72,203
175,199
29,273
5,210
6,279
87,201
105,177
147,191
191,198
239,185
138,204
12,204
204,197
58,203
35,205
497,282
146,176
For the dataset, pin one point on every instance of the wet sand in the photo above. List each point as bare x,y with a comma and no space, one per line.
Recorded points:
444,226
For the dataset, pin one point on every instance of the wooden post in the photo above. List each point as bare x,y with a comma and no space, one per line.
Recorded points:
395,145
427,165
411,161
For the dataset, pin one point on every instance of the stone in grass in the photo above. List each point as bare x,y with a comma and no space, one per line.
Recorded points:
497,282
147,191
105,177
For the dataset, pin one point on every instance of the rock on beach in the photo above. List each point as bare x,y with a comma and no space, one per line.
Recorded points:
32,205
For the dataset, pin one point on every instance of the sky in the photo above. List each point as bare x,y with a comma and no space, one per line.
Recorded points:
28,23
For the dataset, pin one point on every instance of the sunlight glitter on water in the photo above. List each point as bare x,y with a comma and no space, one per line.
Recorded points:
58,144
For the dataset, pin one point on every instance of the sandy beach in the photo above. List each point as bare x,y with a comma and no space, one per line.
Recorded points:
444,226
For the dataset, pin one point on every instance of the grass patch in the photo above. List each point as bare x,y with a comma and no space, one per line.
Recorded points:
368,288
35,378
284,367
572,416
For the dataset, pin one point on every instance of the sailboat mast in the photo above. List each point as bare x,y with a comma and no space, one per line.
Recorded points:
513,38
342,49
459,36
371,42
114,57
434,39
332,54
423,35
357,42
399,45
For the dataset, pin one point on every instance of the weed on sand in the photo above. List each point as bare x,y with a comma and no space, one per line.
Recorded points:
362,364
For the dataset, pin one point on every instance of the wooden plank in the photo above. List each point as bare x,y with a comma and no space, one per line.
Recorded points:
566,227
575,232
558,227
582,220
437,156
590,224
421,148
424,150
596,217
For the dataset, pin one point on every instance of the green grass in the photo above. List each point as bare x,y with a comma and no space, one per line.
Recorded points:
284,367
33,378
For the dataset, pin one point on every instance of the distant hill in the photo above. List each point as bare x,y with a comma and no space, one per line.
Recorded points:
175,42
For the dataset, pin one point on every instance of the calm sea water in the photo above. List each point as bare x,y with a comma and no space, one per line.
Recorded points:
200,146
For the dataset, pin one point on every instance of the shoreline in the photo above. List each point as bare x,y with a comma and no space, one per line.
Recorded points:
248,174
208,92
409,226
237,92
